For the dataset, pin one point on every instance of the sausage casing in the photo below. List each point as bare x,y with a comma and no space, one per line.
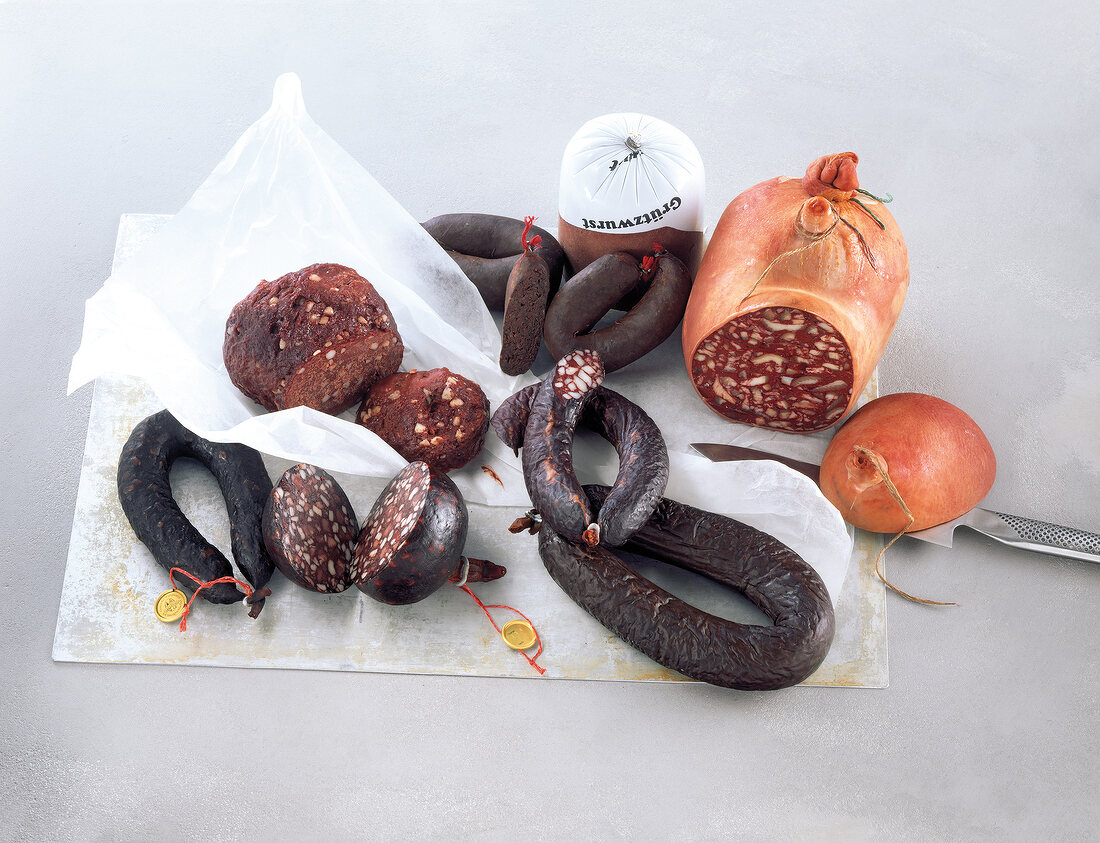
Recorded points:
682,637
145,492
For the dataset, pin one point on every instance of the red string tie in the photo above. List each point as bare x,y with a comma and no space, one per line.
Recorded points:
485,608
536,241
187,609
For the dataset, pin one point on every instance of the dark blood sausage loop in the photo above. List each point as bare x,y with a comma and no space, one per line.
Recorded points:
411,543
487,247
592,292
680,636
643,457
145,492
548,473
643,464
310,530
524,307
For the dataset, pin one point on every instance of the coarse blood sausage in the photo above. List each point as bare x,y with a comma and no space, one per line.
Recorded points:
145,492
797,294
310,529
434,415
592,292
487,247
411,543
643,457
682,637
318,337
524,307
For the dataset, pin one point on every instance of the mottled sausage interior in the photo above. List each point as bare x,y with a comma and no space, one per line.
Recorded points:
310,530
411,543
778,367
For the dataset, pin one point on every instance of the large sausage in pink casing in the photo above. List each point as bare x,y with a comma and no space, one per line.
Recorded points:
795,299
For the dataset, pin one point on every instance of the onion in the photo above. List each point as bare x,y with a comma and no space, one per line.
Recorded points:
906,462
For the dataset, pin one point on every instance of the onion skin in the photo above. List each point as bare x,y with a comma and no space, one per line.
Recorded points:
937,457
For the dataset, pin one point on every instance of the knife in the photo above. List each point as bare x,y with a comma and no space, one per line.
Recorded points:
1013,530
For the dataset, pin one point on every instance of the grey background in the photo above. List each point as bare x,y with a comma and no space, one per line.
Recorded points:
981,119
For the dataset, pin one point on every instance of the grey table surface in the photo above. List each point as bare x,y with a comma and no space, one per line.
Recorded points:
981,119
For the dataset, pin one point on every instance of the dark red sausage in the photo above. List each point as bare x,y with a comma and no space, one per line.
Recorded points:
548,445
145,493
310,529
589,294
643,464
411,543
486,247
643,457
686,639
524,312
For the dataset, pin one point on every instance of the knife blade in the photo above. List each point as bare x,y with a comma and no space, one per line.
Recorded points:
1012,530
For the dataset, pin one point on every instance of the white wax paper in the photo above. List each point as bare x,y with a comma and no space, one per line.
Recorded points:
287,196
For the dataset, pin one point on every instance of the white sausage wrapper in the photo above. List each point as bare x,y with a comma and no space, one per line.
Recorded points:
287,196
628,173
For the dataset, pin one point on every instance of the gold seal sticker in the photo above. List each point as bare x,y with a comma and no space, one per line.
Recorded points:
170,605
518,634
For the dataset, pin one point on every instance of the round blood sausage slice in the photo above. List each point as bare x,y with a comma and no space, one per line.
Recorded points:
777,367
310,530
412,541
393,518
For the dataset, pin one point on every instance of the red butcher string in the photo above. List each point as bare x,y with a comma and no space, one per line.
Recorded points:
187,609
485,608
536,241
649,261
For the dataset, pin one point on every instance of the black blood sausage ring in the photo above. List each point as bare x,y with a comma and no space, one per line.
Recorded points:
555,409
487,247
145,493
593,291
682,637
643,458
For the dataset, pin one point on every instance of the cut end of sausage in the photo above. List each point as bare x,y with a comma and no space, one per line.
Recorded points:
310,530
777,367
393,519
337,377
577,373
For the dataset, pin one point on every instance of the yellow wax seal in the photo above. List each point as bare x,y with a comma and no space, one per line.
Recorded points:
518,634
170,605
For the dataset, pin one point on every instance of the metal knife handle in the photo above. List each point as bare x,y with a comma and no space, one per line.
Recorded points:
1037,535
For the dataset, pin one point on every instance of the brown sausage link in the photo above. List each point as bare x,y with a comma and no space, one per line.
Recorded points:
588,296
547,457
487,247
310,530
145,492
682,637
524,311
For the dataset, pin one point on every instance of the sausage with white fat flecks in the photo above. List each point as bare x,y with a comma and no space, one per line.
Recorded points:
310,529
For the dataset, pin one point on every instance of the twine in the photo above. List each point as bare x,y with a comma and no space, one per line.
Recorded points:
880,467
485,608
187,609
